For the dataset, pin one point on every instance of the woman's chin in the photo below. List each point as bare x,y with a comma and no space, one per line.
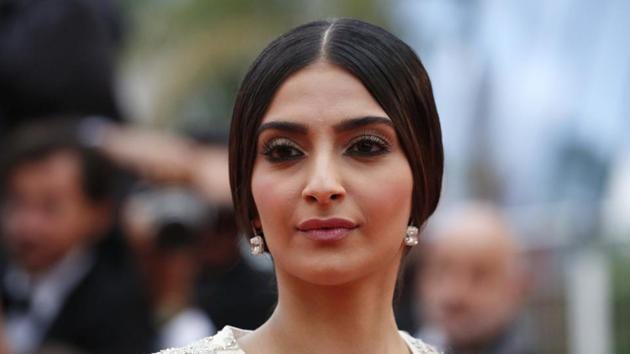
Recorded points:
329,278
330,272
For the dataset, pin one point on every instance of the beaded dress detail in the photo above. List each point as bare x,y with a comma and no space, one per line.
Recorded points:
225,342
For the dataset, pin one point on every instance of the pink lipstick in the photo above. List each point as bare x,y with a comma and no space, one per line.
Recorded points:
331,229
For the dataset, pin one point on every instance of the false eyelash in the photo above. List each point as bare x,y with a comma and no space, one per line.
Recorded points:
381,142
271,145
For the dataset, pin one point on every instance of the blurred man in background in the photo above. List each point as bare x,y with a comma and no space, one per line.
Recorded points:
66,282
473,284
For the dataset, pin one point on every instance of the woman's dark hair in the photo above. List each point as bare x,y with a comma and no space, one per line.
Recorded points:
387,67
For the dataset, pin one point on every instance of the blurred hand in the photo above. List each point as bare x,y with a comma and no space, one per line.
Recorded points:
169,159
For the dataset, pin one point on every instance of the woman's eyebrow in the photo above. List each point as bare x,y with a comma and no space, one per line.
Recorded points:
283,126
346,125
354,123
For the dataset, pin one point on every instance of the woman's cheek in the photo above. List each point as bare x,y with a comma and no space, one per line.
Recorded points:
386,193
263,191
273,197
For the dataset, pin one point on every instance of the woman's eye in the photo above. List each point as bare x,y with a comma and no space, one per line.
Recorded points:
368,145
281,149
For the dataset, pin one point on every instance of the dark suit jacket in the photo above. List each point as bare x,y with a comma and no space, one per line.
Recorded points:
107,312
241,296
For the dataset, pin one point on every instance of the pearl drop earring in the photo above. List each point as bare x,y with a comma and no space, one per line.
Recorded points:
411,236
257,244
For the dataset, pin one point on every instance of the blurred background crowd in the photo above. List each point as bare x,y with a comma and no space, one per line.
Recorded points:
116,227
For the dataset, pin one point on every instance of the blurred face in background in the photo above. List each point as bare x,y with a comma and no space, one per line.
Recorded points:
320,159
472,283
46,213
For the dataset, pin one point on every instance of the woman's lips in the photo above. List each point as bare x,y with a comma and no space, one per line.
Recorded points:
332,229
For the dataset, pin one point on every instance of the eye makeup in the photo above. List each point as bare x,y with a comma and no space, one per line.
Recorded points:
281,149
367,145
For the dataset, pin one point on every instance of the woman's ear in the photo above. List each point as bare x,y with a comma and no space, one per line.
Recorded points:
256,223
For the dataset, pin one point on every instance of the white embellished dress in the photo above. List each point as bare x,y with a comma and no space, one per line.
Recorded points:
225,342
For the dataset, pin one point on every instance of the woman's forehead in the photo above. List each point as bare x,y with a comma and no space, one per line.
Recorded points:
322,94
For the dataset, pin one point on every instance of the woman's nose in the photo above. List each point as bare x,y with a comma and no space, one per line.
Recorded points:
323,184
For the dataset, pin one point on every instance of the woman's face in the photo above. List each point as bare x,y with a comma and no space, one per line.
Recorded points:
331,184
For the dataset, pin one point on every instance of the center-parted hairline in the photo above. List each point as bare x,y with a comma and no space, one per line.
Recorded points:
325,38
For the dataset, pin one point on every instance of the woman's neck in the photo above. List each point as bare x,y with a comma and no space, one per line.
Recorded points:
349,318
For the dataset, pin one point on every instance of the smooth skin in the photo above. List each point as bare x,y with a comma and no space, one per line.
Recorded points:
326,149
